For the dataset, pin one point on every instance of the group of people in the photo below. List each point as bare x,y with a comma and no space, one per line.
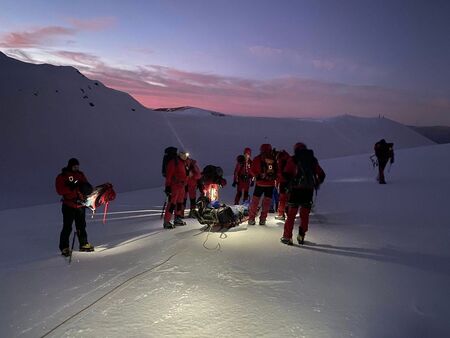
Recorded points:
292,178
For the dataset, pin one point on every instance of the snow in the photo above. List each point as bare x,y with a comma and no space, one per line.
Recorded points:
376,263
46,119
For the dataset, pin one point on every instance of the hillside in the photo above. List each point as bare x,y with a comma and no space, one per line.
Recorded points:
50,114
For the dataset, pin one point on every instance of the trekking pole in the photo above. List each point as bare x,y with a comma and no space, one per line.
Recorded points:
73,243
163,208
374,161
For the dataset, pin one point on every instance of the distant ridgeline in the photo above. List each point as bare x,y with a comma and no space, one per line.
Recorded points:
438,134
179,109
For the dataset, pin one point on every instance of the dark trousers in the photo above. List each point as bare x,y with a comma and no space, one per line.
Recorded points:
69,216
382,162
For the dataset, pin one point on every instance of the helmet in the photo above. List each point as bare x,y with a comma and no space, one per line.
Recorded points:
265,148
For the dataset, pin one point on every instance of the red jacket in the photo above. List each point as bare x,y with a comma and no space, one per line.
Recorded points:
282,159
194,173
176,172
70,193
242,171
264,169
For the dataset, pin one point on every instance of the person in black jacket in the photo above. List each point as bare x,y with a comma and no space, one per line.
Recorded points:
384,152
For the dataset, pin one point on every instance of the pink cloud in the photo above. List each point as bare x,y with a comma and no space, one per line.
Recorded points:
81,58
33,38
157,86
324,64
265,51
93,24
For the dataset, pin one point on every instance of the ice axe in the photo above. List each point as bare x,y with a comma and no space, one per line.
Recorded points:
73,243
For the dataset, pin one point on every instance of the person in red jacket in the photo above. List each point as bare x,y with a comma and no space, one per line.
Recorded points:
176,180
264,169
282,159
193,175
303,174
242,175
73,186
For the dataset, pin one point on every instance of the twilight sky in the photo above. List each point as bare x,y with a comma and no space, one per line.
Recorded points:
250,57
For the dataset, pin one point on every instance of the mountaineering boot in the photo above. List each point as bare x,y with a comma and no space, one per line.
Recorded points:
179,222
262,222
87,247
280,218
287,241
251,222
65,252
168,225
301,236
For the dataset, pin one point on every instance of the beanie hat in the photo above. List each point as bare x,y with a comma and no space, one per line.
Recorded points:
299,145
265,148
73,161
247,151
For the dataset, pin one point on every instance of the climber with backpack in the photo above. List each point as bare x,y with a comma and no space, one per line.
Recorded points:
264,169
303,175
210,182
384,152
242,176
176,180
193,175
282,159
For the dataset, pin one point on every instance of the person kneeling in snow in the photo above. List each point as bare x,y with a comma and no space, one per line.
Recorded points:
73,186
303,174
176,180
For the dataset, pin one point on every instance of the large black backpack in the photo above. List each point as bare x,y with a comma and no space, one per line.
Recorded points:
212,173
306,177
169,153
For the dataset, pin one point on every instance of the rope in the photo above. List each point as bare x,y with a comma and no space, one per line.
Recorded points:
217,247
106,294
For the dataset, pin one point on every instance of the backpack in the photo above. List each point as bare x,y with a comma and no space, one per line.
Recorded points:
269,168
100,195
169,153
212,173
306,177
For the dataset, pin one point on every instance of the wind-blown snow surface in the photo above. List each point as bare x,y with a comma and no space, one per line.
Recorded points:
46,117
376,264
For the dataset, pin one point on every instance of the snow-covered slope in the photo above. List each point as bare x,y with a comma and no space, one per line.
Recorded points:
376,264
49,114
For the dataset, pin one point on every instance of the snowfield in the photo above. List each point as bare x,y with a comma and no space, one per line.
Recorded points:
376,263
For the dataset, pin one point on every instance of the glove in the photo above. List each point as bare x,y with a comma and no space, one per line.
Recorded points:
234,184
252,183
168,190
392,160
